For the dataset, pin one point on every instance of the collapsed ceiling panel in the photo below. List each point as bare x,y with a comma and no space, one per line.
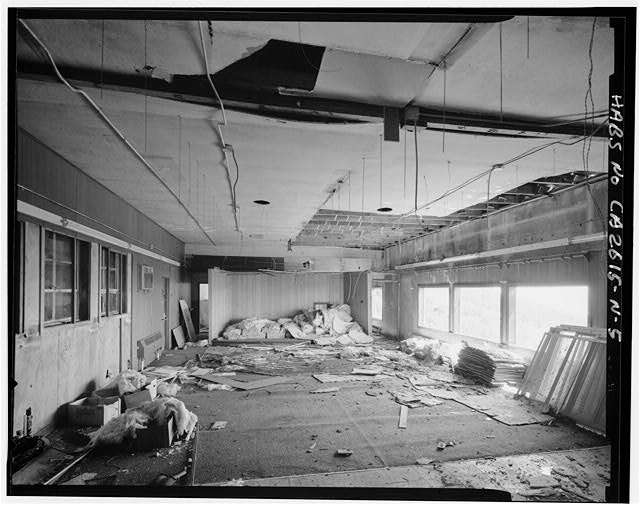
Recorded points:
305,104
377,231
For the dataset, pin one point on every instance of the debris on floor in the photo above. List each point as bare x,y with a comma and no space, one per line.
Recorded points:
344,453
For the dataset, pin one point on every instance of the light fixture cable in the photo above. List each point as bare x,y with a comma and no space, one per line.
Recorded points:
115,129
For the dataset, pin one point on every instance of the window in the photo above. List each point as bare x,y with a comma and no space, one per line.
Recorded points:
537,308
433,307
376,303
113,282
479,314
66,278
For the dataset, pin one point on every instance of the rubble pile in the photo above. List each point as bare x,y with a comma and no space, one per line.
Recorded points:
330,326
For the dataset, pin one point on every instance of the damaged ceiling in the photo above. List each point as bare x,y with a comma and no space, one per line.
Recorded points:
304,116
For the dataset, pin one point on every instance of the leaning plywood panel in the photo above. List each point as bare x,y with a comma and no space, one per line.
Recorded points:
568,374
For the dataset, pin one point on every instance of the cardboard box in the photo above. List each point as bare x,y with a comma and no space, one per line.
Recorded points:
136,399
93,411
155,436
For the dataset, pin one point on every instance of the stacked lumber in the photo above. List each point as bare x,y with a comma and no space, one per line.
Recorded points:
488,369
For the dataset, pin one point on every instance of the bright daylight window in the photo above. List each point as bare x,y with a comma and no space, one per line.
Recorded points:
480,312
540,307
376,303
433,307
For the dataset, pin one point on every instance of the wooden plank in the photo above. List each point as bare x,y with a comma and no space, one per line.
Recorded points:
178,335
533,367
246,386
404,414
186,315
559,375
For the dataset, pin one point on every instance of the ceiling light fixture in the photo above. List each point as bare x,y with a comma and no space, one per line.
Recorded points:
262,202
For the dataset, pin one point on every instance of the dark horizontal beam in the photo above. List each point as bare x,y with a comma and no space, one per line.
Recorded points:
269,102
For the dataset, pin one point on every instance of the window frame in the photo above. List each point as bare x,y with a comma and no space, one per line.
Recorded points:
121,277
74,290
449,306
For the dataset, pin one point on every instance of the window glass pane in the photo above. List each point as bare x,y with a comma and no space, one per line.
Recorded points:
48,245
114,305
433,308
114,271
48,306
103,304
63,305
83,260
540,307
64,248
123,283
376,303
480,312
64,276
48,274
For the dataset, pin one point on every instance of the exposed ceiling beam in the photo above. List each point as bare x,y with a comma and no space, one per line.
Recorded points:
269,102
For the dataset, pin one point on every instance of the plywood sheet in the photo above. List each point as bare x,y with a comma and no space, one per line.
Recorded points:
186,315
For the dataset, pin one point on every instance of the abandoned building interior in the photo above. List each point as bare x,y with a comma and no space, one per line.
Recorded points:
300,253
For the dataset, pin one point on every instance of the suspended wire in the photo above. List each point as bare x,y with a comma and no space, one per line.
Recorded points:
415,139
444,102
180,156
380,171
527,37
115,129
102,61
500,31
145,85
308,60
362,210
219,126
529,152
405,162
586,146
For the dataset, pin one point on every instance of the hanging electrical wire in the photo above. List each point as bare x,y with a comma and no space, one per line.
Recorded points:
527,37
528,152
586,146
225,146
362,210
380,172
500,30
444,101
415,139
120,135
405,163
102,62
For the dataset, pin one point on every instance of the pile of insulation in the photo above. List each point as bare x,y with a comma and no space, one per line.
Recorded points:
123,428
327,326
431,350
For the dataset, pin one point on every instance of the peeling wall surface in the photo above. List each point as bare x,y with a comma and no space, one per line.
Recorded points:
271,296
